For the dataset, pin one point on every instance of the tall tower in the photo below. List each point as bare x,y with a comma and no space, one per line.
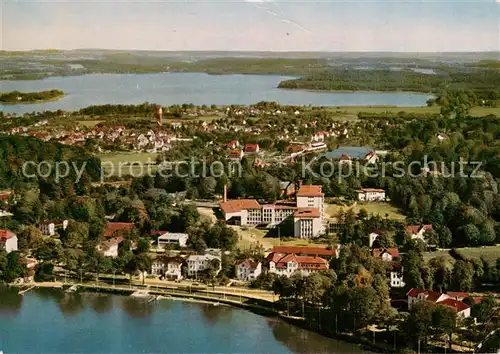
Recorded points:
159,116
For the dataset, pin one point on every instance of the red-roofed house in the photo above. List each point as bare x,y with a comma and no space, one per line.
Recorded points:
291,264
110,246
371,157
415,295
8,241
235,155
345,160
251,149
418,231
248,270
233,144
112,227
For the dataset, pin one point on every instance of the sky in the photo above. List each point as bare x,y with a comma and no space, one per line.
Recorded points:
263,25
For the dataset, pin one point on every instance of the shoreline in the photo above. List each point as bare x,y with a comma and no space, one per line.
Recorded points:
207,300
357,91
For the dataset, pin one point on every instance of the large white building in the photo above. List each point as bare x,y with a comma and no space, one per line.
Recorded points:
50,227
8,241
290,264
448,300
168,267
307,212
109,247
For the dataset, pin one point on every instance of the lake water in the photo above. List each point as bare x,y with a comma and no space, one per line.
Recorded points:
51,321
196,88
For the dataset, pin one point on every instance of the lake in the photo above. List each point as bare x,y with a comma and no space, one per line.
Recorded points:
51,321
196,88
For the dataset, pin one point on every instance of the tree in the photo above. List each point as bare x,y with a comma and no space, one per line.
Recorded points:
143,245
12,266
469,235
444,321
418,324
29,237
140,262
462,276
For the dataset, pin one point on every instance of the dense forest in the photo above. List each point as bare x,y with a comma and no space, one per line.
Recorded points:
22,157
484,83
30,97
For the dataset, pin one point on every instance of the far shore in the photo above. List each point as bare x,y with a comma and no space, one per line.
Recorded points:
53,99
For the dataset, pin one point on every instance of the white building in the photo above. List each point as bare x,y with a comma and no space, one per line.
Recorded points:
371,195
168,267
177,239
49,227
8,241
418,231
417,295
199,263
109,247
248,270
371,158
396,273
307,212
372,237
290,264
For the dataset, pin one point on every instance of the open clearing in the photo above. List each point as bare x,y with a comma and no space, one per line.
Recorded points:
378,208
124,164
490,253
248,236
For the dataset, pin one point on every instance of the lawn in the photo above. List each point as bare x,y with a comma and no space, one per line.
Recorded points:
123,164
381,209
490,253
89,123
250,235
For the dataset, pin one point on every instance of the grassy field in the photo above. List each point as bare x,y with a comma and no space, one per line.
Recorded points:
121,164
381,209
250,235
89,123
490,253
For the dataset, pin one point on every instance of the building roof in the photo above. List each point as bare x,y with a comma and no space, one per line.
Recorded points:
371,190
303,262
6,234
172,236
111,227
158,232
458,306
311,251
310,191
236,205
378,252
432,296
236,153
111,242
414,229
249,263
306,213
251,147
458,295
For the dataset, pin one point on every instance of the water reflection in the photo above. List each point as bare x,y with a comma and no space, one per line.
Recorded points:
302,341
71,304
137,308
214,314
11,302
100,303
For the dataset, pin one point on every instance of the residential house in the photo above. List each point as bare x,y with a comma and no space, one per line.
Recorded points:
391,255
251,149
371,158
109,247
248,270
233,144
372,237
371,195
8,241
168,267
166,238
291,264
418,231
235,155
459,307
199,263
49,227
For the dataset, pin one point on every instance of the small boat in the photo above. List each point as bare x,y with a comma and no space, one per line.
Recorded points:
216,304
72,289
140,294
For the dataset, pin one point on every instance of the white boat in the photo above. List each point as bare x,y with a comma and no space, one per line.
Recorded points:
140,293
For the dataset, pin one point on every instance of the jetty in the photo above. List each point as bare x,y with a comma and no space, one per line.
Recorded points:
22,292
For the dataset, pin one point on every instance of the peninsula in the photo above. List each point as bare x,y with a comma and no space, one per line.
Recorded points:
14,97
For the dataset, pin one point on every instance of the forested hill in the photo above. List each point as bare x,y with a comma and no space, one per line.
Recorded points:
17,151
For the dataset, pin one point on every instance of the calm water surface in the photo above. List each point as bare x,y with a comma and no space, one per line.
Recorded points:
50,321
196,88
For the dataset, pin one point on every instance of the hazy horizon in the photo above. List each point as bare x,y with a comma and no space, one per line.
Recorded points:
336,26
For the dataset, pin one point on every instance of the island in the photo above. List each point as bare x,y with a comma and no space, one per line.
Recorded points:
14,97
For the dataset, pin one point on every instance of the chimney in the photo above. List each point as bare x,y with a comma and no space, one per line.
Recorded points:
225,193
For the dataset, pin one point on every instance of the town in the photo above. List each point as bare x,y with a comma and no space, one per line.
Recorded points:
375,252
